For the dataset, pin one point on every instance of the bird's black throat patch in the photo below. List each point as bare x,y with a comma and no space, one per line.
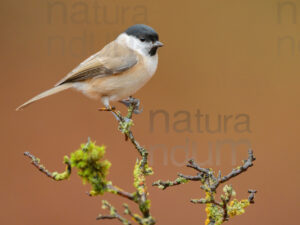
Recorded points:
153,51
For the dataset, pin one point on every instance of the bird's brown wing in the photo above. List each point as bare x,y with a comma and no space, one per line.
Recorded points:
111,60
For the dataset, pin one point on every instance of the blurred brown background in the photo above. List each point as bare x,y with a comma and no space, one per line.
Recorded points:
220,57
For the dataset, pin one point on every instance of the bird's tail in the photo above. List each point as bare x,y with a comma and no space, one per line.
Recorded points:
45,94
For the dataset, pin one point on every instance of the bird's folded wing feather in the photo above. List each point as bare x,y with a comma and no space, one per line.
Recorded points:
111,60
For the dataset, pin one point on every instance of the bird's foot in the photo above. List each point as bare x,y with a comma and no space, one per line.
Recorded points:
132,101
113,110
108,109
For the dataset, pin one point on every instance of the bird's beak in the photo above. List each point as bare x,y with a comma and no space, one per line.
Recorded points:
158,44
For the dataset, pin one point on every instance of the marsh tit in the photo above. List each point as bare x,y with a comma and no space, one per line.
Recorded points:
117,71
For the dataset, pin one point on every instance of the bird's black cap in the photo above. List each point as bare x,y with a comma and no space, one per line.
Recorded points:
143,32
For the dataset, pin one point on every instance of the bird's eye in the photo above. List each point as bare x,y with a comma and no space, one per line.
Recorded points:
142,39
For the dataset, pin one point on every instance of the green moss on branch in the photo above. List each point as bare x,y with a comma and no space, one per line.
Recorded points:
93,169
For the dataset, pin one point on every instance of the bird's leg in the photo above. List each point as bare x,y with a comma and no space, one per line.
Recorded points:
135,101
111,109
108,108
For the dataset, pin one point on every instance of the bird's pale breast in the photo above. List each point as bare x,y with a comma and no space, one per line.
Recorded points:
122,85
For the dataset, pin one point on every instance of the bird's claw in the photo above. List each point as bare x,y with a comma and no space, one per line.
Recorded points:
111,109
136,102
108,109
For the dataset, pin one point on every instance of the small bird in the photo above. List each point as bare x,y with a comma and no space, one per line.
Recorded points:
117,71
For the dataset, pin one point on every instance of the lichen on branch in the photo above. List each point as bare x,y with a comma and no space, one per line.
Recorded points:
93,169
217,211
54,175
113,214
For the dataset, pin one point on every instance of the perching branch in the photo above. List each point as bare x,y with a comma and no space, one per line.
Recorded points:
125,123
92,168
141,170
217,212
